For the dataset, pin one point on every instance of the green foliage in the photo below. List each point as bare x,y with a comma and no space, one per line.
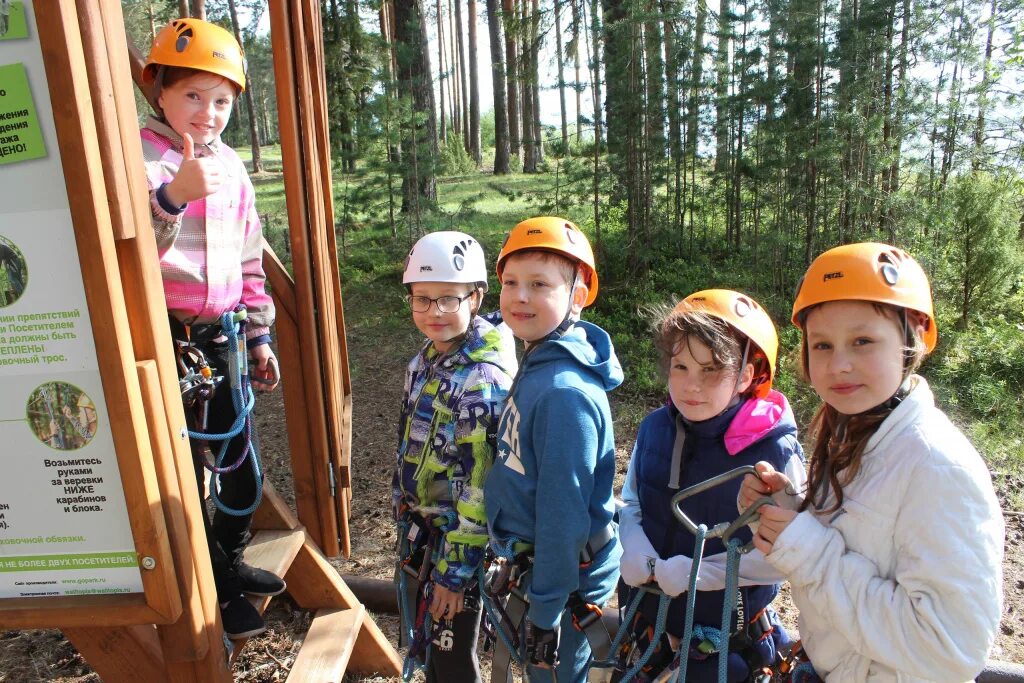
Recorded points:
455,160
983,256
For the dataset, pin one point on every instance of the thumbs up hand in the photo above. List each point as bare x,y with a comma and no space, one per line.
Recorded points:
196,178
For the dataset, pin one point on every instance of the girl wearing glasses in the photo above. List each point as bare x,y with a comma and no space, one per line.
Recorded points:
455,388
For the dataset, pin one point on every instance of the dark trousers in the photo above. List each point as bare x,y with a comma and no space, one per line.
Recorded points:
453,656
226,535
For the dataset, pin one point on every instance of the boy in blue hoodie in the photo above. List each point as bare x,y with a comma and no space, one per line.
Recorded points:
549,496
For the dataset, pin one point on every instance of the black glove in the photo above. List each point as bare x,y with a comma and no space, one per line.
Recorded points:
542,646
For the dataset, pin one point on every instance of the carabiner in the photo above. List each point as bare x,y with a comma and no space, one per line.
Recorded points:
723,530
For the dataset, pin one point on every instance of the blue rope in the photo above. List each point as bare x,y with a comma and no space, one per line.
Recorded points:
659,630
732,565
410,665
691,601
243,400
624,623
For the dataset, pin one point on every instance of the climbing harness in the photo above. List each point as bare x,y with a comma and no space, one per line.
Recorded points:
198,386
627,664
505,582
419,542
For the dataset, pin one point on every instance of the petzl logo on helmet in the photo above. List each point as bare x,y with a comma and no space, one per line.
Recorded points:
835,275
426,269
220,55
534,231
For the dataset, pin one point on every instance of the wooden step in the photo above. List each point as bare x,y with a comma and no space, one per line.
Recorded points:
274,551
324,655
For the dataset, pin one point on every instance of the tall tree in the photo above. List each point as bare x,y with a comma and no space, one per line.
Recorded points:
501,132
560,58
441,74
250,109
474,88
722,74
510,19
463,86
419,137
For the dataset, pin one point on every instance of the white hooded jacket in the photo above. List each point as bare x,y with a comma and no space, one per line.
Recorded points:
904,581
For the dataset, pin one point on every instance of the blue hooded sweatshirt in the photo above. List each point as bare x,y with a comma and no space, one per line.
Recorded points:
551,484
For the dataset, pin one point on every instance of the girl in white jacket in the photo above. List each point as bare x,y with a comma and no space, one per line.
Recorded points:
894,552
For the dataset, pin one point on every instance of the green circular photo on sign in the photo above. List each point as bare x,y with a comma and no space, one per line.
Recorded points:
13,272
61,415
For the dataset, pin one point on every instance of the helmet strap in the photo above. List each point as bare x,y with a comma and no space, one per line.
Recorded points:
568,321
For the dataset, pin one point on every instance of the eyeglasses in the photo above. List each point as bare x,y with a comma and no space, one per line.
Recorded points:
445,304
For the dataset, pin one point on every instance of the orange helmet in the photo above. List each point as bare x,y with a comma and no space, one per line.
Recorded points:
745,315
196,44
868,271
548,233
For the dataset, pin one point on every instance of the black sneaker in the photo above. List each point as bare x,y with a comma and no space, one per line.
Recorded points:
241,619
255,581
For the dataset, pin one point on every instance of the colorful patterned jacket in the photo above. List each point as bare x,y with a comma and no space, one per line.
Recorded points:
446,442
211,255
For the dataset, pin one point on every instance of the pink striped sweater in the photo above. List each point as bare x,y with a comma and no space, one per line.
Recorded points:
211,255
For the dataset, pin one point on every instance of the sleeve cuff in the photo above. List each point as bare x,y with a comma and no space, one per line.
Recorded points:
252,342
160,194
257,331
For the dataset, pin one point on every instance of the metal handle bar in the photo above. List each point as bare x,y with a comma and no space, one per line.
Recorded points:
723,530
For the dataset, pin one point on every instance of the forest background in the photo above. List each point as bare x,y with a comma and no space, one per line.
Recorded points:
699,144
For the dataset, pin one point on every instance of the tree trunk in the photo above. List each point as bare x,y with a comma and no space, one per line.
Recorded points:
535,79
464,89
501,132
526,76
474,89
419,137
199,9
511,22
441,74
986,83
183,9
675,142
576,65
722,71
250,110
561,75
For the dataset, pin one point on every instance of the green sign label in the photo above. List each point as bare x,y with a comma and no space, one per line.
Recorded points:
21,138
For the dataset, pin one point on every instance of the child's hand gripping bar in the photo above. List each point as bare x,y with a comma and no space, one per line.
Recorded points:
725,530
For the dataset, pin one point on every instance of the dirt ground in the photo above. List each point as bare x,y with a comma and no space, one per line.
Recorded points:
44,655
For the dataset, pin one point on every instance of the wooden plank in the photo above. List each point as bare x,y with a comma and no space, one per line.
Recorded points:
104,109
300,441
121,655
68,81
339,383
184,640
274,551
328,645
322,526
127,114
313,583
281,283
123,609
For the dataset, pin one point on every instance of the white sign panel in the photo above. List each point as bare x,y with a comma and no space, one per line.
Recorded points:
63,521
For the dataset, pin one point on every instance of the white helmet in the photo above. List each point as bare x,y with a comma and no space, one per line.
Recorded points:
446,256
